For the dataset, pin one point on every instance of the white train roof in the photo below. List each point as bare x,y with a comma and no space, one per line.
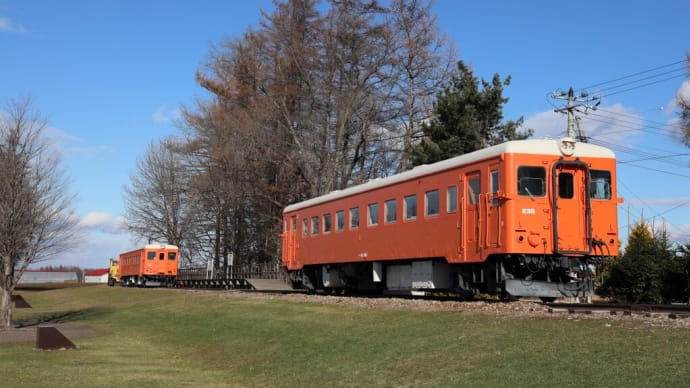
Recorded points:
550,147
160,246
153,246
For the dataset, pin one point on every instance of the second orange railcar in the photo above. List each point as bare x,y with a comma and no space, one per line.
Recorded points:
151,265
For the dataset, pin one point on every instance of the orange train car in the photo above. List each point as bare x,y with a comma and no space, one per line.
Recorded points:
152,265
523,218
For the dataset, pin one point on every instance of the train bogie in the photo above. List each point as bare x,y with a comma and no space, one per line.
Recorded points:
524,218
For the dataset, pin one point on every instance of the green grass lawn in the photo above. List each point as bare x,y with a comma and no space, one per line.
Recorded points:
179,338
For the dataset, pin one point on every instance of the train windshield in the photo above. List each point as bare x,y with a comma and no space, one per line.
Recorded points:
532,181
151,255
171,255
600,186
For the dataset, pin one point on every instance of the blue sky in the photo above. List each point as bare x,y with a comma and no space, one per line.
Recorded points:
112,75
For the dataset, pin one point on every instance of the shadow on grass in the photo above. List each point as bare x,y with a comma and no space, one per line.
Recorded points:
61,317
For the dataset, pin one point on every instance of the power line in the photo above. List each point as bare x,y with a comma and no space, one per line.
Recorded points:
631,75
629,125
639,154
655,123
657,170
638,213
646,78
655,158
643,85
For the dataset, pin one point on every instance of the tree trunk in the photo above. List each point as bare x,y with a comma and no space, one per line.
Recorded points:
6,304
6,308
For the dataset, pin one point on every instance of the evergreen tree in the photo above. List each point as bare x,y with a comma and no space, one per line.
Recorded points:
637,277
667,266
677,276
682,266
467,118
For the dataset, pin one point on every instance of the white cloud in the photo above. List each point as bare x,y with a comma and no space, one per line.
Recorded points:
103,222
614,124
547,124
671,110
103,237
95,250
94,152
69,144
680,233
7,25
684,90
163,115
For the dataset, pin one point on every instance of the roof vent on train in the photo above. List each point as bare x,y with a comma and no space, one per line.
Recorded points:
567,146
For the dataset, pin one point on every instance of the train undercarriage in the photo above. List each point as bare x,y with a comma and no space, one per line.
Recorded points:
507,276
147,281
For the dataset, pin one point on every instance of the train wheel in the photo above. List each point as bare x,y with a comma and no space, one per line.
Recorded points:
547,299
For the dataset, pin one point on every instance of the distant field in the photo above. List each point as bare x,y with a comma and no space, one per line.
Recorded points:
164,337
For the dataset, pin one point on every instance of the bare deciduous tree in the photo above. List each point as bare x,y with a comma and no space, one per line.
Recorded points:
312,101
424,60
36,218
156,205
218,160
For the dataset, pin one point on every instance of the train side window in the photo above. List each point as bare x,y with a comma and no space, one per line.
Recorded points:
494,188
171,255
411,207
354,218
473,188
432,202
294,224
315,225
600,185
452,199
305,227
151,255
327,223
566,185
339,221
373,210
391,214
532,181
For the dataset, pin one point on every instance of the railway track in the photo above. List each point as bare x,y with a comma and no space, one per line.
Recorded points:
670,311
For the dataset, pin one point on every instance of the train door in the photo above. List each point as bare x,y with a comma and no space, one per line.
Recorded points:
472,216
572,221
493,209
290,245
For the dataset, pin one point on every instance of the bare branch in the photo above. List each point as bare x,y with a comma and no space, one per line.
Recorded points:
36,218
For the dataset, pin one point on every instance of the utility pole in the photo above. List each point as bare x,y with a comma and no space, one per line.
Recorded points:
575,130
